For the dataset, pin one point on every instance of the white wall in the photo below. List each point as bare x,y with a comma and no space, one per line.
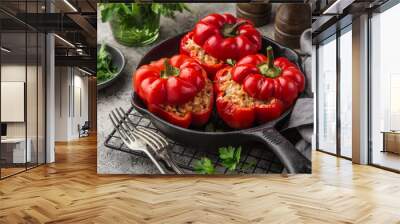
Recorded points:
14,73
61,104
17,73
70,83
33,126
80,94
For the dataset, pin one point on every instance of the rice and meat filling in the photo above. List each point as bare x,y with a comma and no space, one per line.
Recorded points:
197,52
200,102
234,92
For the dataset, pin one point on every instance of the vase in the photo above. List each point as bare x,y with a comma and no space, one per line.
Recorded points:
135,30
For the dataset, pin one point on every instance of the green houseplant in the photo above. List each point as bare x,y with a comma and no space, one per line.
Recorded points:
137,24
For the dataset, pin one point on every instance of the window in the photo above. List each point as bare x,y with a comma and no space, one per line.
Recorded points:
385,88
327,96
22,101
334,95
346,92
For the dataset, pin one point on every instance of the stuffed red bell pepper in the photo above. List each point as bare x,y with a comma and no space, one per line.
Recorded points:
176,89
219,37
257,89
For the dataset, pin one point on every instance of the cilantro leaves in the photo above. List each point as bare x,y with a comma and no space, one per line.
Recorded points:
105,68
204,166
229,157
133,9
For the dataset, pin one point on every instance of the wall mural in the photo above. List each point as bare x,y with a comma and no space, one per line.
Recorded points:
204,88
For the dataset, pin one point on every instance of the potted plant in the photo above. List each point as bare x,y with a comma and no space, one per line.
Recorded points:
137,24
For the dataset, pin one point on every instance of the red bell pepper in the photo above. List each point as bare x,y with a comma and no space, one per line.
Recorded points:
174,83
182,121
223,37
263,77
169,81
195,118
211,68
270,85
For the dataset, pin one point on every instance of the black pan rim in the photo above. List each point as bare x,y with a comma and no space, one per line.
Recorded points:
266,125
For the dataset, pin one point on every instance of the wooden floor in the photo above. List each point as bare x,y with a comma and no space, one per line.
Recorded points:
387,159
70,191
11,170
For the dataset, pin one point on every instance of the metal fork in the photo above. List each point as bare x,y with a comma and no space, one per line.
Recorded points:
129,138
159,145
155,141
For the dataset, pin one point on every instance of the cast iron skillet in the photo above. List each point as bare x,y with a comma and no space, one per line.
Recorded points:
266,133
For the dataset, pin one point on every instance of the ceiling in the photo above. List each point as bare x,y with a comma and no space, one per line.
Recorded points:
328,16
74,22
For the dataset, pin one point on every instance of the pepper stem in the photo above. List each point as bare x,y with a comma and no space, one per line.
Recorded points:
169,70
229,30
270,55
269,69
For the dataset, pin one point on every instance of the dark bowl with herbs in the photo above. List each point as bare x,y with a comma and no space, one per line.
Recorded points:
110,63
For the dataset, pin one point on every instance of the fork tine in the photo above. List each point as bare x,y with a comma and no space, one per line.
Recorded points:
160,139
148,140
126,130
130,121
160,144
125,125
128,136
154,135
121,131
121,114
120,119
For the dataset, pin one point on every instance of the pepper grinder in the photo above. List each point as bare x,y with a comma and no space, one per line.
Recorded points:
290,22
258,13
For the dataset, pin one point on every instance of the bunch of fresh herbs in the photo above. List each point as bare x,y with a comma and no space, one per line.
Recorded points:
229,157
105,68
140,9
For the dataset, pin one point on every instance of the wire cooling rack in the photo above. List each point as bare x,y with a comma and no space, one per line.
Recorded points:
255,158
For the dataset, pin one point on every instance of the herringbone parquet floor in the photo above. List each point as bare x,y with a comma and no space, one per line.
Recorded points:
70,191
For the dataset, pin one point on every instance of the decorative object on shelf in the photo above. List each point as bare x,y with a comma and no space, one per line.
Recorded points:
135,24
391,141
258,13
289,25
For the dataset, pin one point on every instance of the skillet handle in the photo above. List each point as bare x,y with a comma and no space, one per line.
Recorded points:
290,157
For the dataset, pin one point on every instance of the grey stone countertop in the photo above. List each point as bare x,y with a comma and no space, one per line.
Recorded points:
110,161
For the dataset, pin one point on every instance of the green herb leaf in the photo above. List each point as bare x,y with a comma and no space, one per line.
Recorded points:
168,9
140,9
230,61
230,157
204,166
107,10
105,68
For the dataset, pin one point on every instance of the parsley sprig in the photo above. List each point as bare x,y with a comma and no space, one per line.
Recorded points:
204,166
229,157
105,68
143,9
